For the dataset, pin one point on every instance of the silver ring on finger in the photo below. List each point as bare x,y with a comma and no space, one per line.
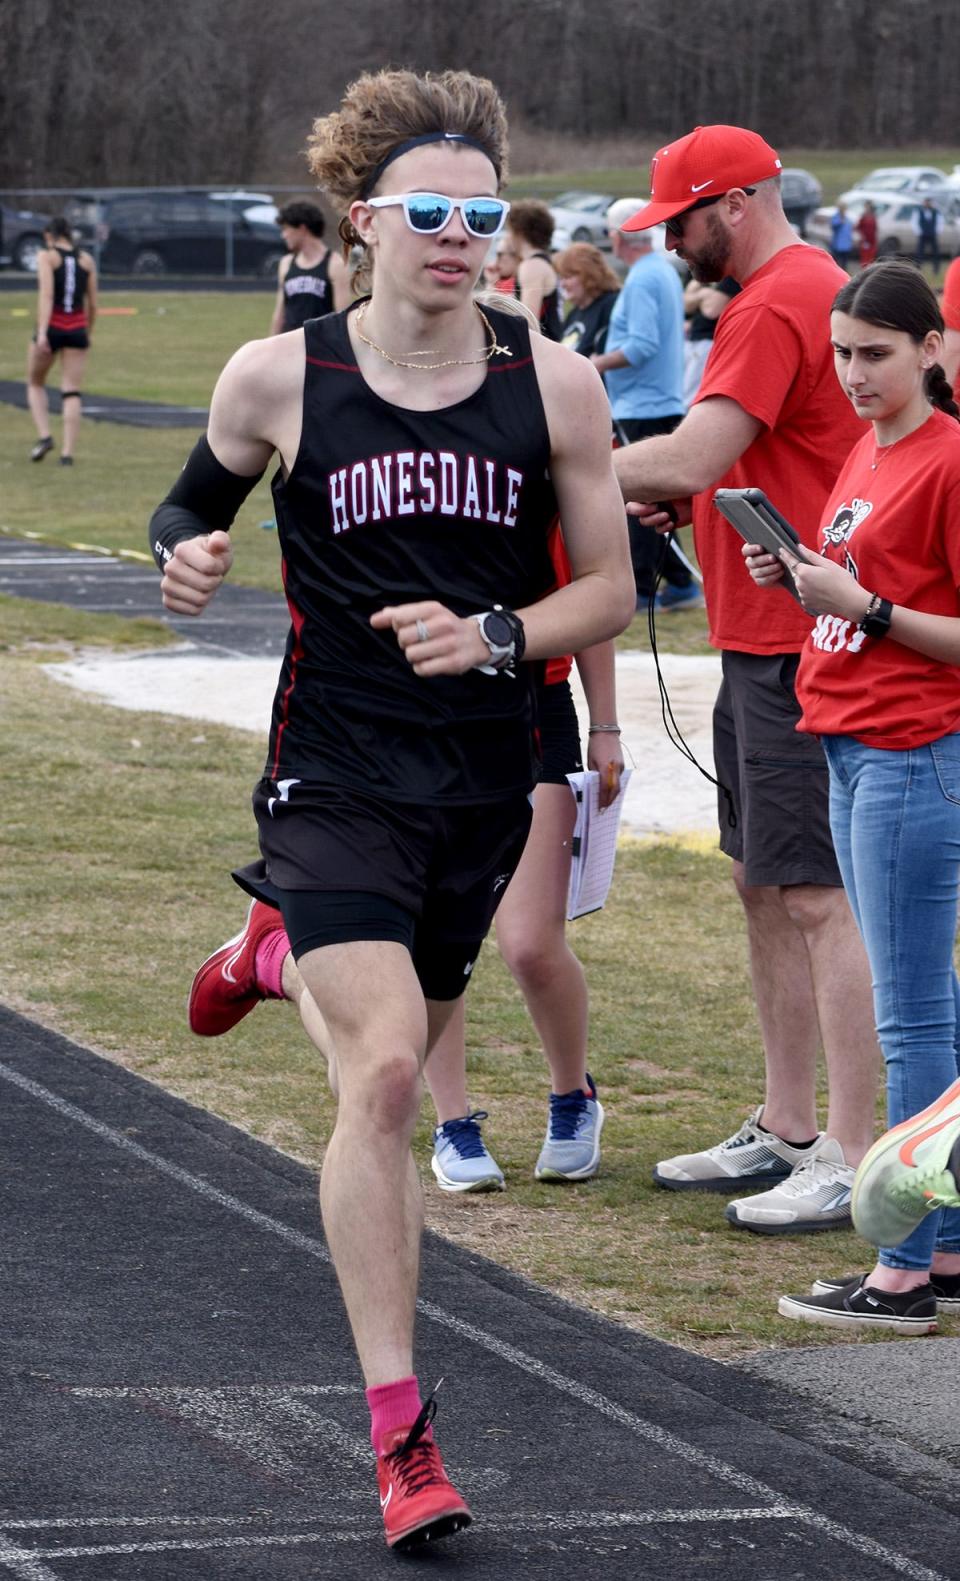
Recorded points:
423,633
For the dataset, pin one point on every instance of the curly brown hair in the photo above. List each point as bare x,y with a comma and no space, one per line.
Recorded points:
384,108
589,265
532,221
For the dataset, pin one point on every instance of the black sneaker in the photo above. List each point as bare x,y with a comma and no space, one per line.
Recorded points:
857,1305
946,1288
66,461
42,448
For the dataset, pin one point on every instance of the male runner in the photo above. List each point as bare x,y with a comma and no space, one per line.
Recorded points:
424,447
311,280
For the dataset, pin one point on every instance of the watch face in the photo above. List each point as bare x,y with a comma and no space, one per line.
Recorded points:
497,632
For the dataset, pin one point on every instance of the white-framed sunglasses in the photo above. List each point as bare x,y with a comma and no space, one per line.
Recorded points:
428,212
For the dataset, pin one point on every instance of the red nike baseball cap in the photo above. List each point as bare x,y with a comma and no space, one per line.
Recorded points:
704,164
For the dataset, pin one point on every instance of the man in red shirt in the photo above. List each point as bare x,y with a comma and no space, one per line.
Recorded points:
770,414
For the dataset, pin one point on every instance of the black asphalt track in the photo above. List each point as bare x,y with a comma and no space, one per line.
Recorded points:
113,408
241,620
181,1399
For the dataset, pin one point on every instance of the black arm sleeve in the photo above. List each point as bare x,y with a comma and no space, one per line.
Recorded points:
205,496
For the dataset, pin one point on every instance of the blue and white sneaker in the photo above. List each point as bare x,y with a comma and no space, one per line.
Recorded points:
461,1161
571,1150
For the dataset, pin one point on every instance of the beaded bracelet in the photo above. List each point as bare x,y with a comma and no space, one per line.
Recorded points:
603,730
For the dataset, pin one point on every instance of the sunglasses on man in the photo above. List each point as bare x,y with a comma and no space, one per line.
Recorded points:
675,225
428,213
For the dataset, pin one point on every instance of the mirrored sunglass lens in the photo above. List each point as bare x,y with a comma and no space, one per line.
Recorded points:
483,216
429,212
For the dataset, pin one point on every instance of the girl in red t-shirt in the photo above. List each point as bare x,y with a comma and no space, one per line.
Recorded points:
879,682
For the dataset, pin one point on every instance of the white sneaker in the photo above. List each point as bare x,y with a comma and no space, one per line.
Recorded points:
815,1197
753,1157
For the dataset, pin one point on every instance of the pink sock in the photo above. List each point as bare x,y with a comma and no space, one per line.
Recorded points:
272,950
393,1405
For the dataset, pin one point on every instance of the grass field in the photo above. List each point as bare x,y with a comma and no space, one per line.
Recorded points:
119,833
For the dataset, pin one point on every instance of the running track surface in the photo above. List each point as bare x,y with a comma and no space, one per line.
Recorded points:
182,1399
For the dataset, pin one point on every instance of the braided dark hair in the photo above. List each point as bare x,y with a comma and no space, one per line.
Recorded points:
894,294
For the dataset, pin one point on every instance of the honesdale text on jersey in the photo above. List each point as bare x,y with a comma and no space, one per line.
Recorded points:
424,483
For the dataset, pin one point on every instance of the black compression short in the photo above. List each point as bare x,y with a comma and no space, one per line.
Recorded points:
344,867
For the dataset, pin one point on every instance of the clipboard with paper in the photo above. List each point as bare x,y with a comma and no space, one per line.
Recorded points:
594,846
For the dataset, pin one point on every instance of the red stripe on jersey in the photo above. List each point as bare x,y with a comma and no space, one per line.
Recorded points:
61,320
296,620
558,669
509,367
341,367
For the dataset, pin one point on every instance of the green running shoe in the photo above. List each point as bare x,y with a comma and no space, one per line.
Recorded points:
912,1170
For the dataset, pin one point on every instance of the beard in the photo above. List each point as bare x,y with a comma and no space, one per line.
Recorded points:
709,263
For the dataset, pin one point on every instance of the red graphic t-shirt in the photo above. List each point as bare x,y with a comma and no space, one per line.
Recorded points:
772,355
894,521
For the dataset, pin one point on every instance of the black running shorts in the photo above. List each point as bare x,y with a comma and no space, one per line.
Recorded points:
68,339
777,776
343,866
559,733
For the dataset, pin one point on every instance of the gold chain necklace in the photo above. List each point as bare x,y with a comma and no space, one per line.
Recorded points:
431,367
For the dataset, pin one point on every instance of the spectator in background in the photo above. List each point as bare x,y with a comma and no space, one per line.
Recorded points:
879,686
530,227
841,236
500,274
66,309
642,368
591,287
703,304
311,280
926,226
866,228
769,414
950,308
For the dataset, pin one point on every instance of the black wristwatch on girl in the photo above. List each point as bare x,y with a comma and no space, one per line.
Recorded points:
876,621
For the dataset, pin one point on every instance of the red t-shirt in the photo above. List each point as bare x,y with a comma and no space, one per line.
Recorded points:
950,305
894,520
772,355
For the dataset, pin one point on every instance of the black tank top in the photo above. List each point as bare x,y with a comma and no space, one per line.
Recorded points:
69,290
551,324
385,505
306,293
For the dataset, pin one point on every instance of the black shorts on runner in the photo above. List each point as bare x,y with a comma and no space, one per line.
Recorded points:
343,866
67,340
559,731
778,777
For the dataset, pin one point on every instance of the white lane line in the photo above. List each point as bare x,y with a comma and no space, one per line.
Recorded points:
901,1564
534,1523
22,1564
174,1392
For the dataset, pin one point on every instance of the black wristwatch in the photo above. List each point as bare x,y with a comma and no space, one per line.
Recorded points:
876,621
503,633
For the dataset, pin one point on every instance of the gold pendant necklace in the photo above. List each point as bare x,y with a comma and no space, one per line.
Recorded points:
431,367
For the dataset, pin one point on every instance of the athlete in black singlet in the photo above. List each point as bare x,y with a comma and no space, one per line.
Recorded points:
415,436
537,287
66,309
312,280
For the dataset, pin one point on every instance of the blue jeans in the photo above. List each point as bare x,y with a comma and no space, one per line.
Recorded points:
895,818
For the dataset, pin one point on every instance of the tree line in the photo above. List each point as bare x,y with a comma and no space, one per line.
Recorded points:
115,92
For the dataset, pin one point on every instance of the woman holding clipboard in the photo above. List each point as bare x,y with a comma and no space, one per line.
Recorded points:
879,683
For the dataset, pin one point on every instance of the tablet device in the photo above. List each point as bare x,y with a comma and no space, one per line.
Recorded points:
759,521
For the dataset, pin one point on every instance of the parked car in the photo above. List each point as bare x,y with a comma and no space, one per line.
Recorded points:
801,193
156,232
924,179
581,217
21,237
895,213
